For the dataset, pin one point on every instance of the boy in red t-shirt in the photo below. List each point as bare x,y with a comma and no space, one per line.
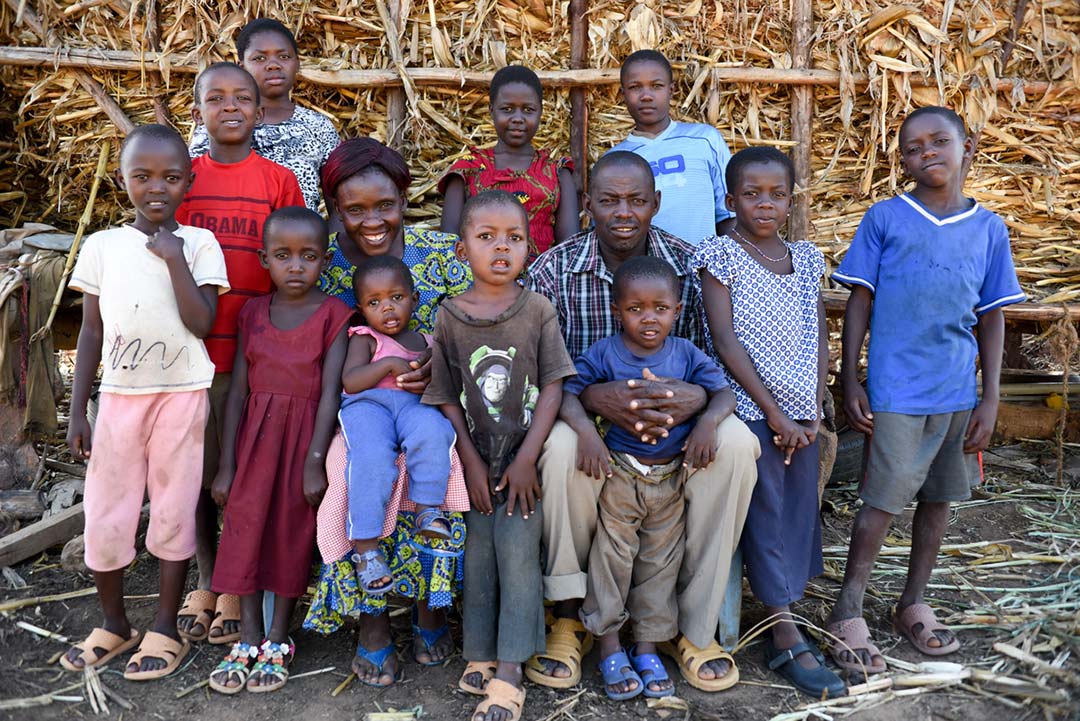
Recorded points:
233,192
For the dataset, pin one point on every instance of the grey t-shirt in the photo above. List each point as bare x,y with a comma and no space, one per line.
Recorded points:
495,369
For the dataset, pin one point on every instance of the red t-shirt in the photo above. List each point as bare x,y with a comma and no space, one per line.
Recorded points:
232,201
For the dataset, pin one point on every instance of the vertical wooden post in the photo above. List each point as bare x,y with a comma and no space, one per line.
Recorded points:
802,116
395,97
579,112
153,38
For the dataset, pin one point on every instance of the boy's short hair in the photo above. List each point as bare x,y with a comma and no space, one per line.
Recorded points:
646,56
515,74
942,112
224,65
758,154
381,264
155,131
298,214
624,159
643,266
487,199
258,26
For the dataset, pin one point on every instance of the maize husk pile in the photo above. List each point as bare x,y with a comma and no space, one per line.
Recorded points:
890,59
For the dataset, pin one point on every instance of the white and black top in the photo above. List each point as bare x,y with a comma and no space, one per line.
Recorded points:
775,319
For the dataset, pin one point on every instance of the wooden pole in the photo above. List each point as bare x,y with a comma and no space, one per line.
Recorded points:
127,60
579,111
395,97
153,38
91,86
802,117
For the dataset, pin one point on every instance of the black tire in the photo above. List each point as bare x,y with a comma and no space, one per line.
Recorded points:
849,457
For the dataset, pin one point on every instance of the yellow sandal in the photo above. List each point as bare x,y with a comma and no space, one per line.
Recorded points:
563,646
690,659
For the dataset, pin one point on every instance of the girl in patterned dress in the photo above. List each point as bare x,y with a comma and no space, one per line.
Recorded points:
289,134
766,325
543,184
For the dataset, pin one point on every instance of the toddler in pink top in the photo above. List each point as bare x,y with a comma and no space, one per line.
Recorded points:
379,420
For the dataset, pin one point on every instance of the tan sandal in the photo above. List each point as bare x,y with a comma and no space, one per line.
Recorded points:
227,609
113,644
919,613
157,645
690,659
200,605
565,647
504,695
486,669
855,636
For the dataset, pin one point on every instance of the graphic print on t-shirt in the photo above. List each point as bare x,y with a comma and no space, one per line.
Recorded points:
491,370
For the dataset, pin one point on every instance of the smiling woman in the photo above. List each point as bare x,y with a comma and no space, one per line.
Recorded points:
367,181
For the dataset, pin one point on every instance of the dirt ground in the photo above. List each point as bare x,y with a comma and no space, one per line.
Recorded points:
1011,509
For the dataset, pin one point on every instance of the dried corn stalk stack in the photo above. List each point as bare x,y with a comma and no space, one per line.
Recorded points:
889,58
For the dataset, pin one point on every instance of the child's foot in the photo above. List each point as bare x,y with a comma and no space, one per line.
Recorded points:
651,670
232,673
195,616
100,647
160,653
786,635
504,697
621,681
920,626
432,642
372,572
271,670
432,523
863,655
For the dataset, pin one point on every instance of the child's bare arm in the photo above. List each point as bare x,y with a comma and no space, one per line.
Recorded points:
476,470
359,373
991,335
700,448
230,424
520,475
325,418
197,304
568,214
87,360
856,324
593,457
453,203
717,300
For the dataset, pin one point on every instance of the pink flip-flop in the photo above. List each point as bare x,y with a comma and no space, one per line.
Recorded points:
856,637
919,613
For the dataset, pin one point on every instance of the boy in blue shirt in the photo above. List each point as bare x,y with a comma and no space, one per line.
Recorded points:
925,268
639,534
688,159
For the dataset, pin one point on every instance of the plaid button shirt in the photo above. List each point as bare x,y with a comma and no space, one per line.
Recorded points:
574,277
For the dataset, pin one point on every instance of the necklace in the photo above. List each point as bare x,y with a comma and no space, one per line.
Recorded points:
787,250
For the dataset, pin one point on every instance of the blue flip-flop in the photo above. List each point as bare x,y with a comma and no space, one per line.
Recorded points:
651,669
378,660
428,638
612,670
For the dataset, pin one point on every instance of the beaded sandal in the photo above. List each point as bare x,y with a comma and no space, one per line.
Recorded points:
236,667
274,660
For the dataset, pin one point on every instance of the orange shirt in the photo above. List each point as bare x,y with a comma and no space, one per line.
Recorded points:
232,201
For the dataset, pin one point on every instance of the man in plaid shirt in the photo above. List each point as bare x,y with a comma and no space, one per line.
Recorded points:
576,276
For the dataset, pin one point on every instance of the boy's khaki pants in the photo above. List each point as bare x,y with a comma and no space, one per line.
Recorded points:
636,552
717,498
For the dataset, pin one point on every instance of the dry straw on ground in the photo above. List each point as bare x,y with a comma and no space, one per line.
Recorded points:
890,58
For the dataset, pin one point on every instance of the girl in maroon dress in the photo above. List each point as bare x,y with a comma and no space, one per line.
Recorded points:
542,182
281,412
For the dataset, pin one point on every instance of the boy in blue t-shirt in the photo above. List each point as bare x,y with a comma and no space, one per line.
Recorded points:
925,269
641,519
688,159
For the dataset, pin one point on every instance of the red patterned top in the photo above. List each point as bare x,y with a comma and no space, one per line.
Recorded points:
537,188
